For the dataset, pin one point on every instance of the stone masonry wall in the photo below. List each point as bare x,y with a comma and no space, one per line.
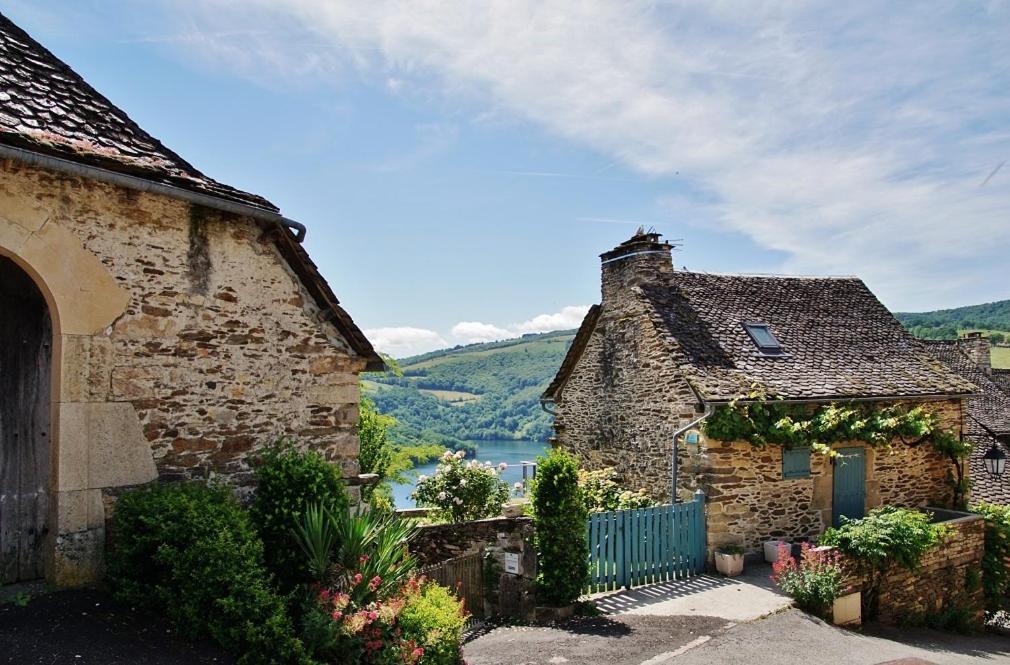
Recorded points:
185,345
943,579
624,399
749,501
509,595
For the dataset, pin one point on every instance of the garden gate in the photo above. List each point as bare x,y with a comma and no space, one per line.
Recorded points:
633,547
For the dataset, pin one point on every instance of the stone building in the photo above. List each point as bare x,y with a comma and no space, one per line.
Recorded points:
154,323
664,348
988,411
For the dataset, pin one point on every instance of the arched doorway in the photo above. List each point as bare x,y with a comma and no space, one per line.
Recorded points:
25,365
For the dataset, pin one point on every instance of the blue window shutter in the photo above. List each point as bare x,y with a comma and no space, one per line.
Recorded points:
796,463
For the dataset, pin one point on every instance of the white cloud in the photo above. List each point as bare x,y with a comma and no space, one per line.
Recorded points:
404,341
851,136
471,332
568,318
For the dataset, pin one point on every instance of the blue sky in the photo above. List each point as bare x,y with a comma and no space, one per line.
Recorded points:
461,165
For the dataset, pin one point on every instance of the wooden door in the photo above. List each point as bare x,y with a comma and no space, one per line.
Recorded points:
25,355
849,496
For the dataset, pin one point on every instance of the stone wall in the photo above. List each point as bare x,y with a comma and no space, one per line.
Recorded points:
624,399
507,595
948,576
183,343
749,501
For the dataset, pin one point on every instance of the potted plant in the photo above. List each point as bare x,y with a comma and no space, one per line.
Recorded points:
729,560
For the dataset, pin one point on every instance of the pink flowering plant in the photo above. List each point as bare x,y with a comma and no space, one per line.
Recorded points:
462,490
420,621
814,582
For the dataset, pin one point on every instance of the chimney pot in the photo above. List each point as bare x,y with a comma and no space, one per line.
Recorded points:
642,259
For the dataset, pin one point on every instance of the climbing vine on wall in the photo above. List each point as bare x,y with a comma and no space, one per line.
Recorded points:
761,421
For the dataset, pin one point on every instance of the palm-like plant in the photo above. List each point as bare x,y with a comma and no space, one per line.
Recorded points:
359,553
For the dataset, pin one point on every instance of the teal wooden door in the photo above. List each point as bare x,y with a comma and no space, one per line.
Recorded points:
849,496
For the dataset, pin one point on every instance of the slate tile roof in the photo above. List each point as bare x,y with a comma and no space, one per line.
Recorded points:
991,403
838,340
46,107
988,414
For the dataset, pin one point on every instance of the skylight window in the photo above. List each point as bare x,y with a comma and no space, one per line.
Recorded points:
763,338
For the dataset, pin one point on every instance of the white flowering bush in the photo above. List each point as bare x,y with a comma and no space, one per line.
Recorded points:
462,490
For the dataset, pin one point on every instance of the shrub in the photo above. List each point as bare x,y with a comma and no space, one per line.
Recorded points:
559,515
421,622
814,582
433,618
461,491
995,574
288,480
363,555
886,536
189,551
602,492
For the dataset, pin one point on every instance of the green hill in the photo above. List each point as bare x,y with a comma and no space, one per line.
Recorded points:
492,391
949,323
478,391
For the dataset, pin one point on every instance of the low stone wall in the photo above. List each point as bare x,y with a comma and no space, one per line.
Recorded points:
942,579
506,594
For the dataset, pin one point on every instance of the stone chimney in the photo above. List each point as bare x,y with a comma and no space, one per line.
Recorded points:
642,259
976,347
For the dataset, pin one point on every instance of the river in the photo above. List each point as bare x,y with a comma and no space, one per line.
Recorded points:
511,452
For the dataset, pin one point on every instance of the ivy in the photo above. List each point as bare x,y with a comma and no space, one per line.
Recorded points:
762,422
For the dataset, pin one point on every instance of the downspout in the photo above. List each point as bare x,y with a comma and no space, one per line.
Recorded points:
126,181
544,401
708,408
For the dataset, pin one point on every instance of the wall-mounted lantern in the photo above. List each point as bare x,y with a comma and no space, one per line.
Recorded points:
994,461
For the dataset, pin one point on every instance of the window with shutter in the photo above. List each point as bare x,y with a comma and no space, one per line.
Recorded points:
796,463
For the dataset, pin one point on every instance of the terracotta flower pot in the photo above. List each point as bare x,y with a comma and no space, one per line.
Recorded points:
729,565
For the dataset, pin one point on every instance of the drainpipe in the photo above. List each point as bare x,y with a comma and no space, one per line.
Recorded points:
126,181
676,440
544,401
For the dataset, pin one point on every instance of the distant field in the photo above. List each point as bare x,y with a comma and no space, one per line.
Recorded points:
1001,357
454,397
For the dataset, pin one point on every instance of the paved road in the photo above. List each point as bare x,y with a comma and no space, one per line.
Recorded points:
745,598
622,640
786,638
794,637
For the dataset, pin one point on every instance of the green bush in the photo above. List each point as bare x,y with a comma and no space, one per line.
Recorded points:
433,618
189,551
995,574
288,480
559,515
462,490
886,536
602,492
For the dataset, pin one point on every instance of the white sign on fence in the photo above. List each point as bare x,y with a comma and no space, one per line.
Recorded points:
512,563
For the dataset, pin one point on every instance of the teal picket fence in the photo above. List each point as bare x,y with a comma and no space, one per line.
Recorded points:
629,548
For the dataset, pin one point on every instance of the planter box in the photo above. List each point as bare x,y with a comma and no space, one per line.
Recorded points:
729,565
771,548
847,610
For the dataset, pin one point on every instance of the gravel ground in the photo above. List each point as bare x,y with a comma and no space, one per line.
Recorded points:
86,627
608,640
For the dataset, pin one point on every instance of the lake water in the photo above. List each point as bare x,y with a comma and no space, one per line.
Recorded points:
511,452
